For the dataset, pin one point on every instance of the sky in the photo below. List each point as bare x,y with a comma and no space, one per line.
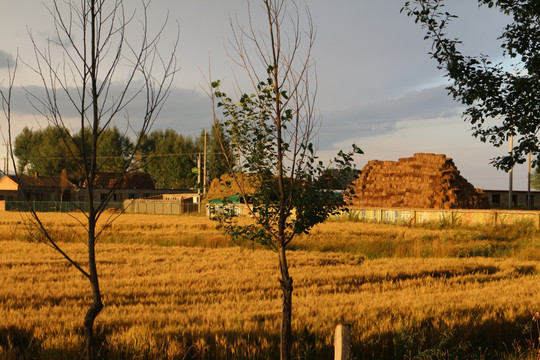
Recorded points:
377,86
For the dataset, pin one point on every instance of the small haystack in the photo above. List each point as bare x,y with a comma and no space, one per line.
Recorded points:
422,181
226,186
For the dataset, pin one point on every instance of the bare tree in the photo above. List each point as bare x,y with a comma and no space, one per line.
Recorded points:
92,72
271,132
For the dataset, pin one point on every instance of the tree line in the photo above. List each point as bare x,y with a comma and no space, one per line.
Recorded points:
169,157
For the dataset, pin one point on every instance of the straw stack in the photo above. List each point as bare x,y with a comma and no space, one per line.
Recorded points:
226,186
423,181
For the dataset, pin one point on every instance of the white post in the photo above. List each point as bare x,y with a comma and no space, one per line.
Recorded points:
342,342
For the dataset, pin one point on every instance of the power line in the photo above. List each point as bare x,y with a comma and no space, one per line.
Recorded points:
122,157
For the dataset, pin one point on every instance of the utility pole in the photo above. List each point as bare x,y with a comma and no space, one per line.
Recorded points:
204,165
529,202
6,159
511,173
199,172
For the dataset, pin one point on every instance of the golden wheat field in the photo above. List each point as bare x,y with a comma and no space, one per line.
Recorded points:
175,288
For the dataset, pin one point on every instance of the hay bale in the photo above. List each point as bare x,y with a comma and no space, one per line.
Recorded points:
422,181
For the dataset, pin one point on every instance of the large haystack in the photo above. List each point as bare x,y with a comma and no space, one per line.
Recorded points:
423,181
226,186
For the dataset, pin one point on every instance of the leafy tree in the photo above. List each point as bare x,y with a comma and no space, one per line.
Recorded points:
24,143
114,150
337,179
500,102
271,132
535,178
80,65
169,158
43,151
219,149
50,150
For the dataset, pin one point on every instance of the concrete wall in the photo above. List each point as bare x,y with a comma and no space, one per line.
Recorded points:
142,206
453,217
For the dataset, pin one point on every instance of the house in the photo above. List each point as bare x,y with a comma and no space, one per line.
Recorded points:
59,188
130,186
498,199
133,185
36,188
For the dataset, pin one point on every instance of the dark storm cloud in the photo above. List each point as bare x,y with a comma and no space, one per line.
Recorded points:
186,111
383,117
6,59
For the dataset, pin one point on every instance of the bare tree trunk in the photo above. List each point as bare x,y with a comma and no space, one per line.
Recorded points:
90,317
286,315
97,305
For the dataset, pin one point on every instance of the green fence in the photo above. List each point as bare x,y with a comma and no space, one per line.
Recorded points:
56,206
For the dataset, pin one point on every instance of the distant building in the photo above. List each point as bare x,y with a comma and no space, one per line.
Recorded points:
133,185
498,199
136,185
36,188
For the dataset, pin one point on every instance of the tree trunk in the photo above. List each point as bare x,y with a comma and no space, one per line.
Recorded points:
286,315
91,315
97,306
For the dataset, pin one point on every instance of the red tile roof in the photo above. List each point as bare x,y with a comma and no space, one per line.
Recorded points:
36,181
133,180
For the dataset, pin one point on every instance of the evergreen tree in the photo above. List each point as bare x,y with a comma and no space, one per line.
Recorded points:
219,149
170,158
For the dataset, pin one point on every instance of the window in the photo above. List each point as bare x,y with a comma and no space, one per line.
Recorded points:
496,198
